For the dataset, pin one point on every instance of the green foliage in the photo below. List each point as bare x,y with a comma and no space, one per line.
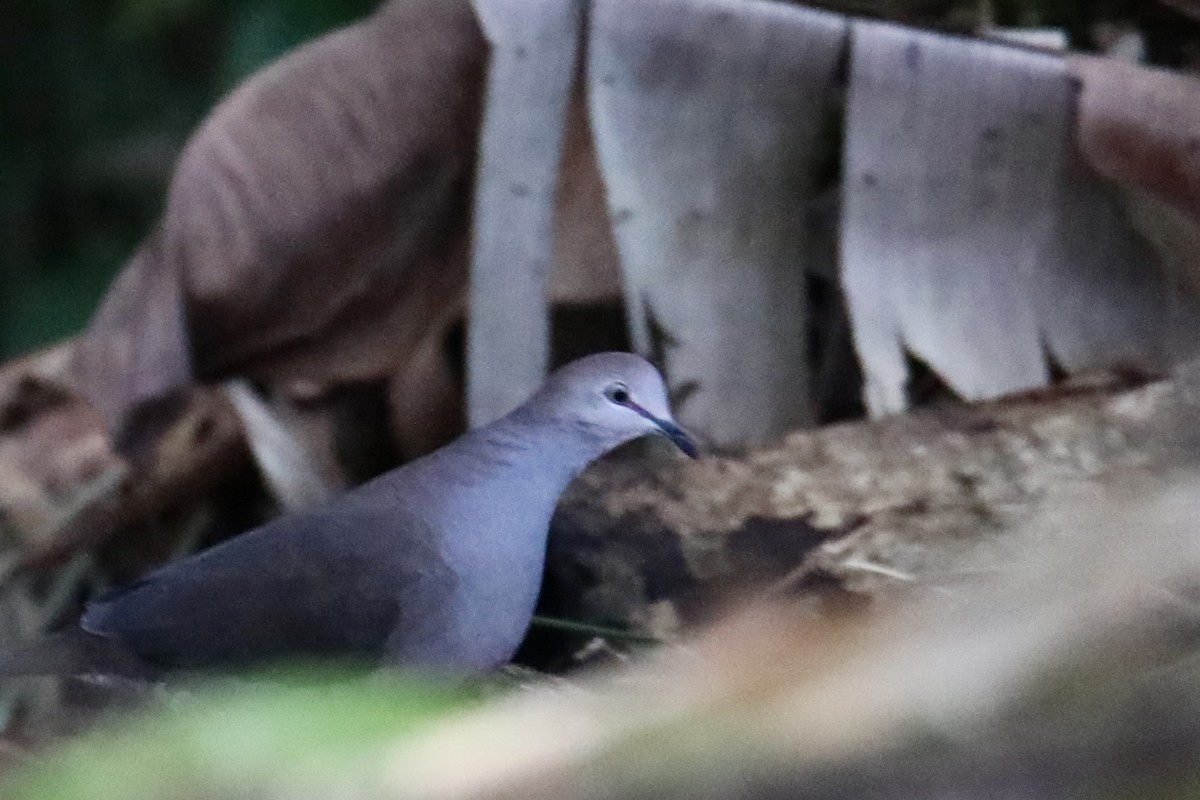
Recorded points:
262,30
300,738
96,99
53,303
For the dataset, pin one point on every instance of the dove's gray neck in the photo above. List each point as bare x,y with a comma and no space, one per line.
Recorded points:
541,451
507,476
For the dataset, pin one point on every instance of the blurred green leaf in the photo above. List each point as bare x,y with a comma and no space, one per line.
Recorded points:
54,303
243,739
263,30
94,100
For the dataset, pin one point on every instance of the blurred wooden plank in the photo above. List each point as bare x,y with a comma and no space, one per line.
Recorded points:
707,118
534,44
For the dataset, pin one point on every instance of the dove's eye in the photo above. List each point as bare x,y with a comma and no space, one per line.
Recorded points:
618,393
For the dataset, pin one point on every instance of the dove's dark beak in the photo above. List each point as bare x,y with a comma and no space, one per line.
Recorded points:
677,435
672,431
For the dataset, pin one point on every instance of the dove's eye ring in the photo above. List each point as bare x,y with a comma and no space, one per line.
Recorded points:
618,393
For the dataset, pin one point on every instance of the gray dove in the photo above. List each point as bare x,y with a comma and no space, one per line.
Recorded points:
436,564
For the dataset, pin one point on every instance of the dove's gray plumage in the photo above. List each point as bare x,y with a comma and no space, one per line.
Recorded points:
436,564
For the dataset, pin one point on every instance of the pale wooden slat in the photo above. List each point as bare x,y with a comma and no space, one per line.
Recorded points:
954,150
706,115
972,234
534,50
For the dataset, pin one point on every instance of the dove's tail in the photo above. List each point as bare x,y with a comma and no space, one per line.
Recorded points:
75,652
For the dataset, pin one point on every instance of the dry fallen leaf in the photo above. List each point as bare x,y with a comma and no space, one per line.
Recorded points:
316,223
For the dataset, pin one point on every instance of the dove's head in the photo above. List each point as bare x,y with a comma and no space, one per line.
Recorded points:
614,397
